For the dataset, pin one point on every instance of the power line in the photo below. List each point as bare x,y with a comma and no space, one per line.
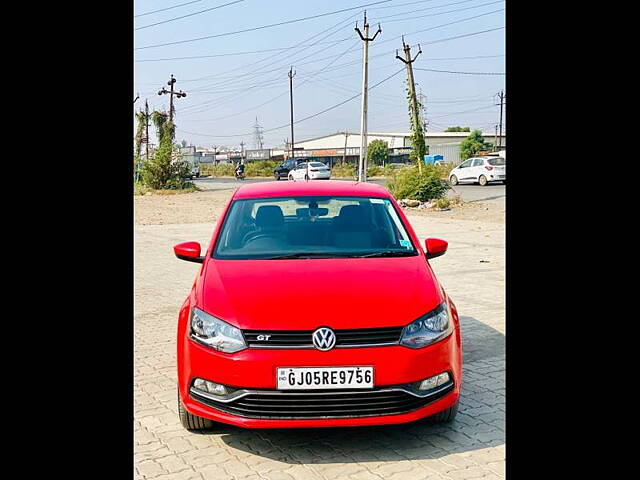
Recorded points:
324,32
463,36
229,54
287,22
165,9
384,53
461,73
443,13
302,119
311,76
189,15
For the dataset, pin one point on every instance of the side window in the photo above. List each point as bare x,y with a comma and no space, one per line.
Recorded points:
478,162
465,164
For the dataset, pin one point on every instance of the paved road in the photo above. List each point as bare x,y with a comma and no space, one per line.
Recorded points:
469,193
472,446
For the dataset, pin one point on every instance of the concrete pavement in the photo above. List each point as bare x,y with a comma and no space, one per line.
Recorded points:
470,447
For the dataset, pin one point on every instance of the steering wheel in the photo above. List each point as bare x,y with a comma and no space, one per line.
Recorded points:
251,236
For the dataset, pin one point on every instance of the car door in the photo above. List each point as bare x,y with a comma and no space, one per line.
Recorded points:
298,172
462,172
476,169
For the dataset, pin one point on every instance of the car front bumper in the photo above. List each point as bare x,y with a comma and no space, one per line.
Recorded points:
255,370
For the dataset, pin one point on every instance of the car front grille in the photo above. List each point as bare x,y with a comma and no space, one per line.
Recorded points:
302,338
272,404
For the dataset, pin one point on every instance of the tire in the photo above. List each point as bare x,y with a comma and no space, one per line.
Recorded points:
289,177
482,180
454,180
277,177
445,416
192,422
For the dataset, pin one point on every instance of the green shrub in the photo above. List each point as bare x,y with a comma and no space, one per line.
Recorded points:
374,171
443,203
345,170
260,168
220,170
162,172
410,183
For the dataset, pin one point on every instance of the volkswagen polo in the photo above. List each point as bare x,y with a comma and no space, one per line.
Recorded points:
315,306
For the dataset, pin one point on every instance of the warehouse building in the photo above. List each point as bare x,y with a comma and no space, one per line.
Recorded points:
331,148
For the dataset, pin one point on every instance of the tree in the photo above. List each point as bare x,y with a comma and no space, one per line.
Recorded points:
378,152
458,129
473,144
164,171
165,130
184,143
141,116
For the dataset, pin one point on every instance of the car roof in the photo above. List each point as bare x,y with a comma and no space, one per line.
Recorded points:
313,187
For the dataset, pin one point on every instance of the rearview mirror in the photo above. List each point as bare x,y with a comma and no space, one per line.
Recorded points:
435,247
189,251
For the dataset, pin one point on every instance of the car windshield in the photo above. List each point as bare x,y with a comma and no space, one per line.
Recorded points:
316,164
312,227
498,161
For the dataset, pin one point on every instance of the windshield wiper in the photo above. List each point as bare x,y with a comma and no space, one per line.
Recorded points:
388,253
306,255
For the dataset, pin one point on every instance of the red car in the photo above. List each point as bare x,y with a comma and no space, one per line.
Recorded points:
316,306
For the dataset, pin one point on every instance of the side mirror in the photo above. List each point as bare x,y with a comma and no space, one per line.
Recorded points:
189,251
435,247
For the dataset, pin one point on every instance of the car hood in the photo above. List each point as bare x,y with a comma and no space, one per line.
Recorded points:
303,294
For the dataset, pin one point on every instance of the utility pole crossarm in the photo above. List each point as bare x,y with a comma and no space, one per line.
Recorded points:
171,93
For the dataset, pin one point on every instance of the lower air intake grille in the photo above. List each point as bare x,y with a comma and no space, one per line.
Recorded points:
267,404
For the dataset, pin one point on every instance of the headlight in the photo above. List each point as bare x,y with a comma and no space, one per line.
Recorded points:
428,329
215,333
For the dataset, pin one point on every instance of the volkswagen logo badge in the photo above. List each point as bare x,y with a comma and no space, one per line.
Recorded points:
324,339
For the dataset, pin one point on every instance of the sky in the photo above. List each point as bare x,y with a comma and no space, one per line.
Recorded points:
239,77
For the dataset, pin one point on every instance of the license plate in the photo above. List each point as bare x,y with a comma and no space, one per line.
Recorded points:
321,378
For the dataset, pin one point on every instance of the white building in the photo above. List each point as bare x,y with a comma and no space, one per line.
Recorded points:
331,147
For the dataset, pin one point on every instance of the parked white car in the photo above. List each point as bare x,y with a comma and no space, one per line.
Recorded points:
315,171
480,170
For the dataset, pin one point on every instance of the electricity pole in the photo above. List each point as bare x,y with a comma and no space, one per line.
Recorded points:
291,74
172,93
501,95
146,139
344,154
362,165
412,88
495,139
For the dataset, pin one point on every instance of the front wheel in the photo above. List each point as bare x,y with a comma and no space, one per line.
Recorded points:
290,177
192,422
482,181
445,416
454,180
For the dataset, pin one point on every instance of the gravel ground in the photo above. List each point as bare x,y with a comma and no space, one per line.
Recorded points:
205,206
